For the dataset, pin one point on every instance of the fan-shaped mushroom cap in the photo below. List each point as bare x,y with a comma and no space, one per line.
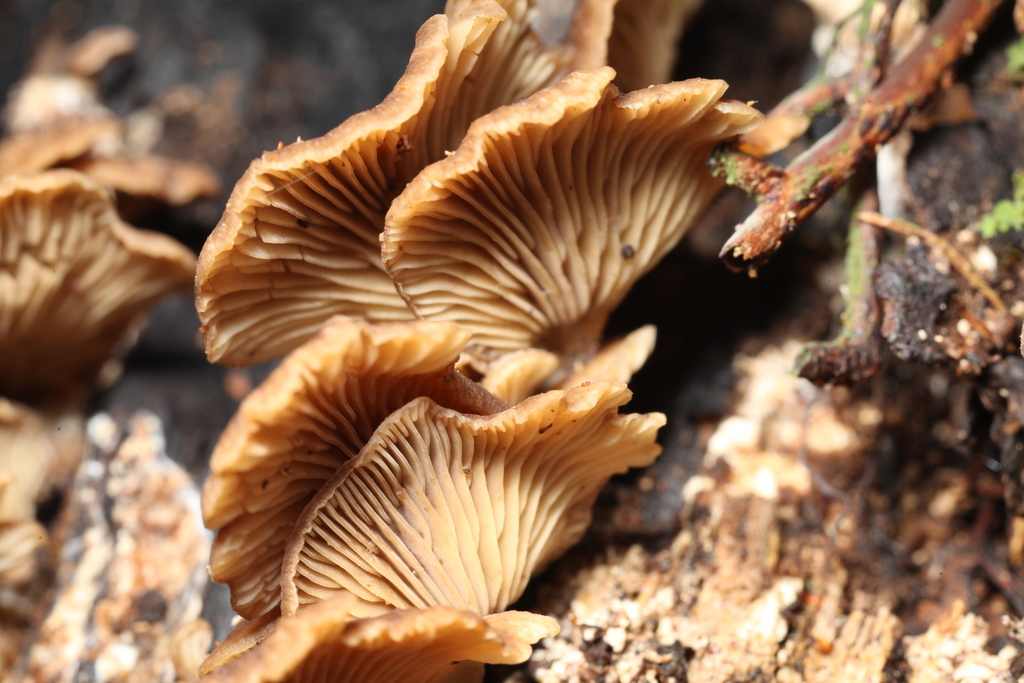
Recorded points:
317,410
443,508
74,280
167,180
551,208
243,637
40,150
323,645
618,360
516,375
299,241
642,47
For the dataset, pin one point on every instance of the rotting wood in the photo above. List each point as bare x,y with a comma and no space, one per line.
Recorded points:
132,564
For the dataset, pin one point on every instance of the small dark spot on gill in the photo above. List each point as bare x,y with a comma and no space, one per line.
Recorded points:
544,429
302,223
628,251
265,484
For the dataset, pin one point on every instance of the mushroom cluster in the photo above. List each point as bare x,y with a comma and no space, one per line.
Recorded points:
74,283
426,269
54,118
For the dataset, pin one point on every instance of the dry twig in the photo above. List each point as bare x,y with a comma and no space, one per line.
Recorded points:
787,198
854,354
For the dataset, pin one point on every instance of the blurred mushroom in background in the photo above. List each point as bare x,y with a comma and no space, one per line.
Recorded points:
643,44
75,283
54,117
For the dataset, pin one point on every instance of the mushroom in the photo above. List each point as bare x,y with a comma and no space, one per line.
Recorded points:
444,508
169,181
516,375
242,638
38,151
71,270
299,241
54,117
642,46
617,360
315,412
536,227
26,453
415,646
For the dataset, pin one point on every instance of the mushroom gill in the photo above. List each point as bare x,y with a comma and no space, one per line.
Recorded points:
315,412
551,208
323,644
443,508
299,241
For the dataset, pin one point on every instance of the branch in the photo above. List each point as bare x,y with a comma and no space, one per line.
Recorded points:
787,199
854,354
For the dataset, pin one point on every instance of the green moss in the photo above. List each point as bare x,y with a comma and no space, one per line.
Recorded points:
1015,60
1007,214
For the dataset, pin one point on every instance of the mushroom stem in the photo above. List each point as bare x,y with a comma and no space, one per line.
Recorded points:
818,173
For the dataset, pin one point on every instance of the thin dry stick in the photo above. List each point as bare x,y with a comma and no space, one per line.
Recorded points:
791,117
956,259
788,197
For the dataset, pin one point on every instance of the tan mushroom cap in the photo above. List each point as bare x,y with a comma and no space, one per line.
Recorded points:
243,637
618,360
645,35
170,181
299,241
39,150
39,454
315,412
323,645
551,208
74,281
26,454
443,508
516,375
